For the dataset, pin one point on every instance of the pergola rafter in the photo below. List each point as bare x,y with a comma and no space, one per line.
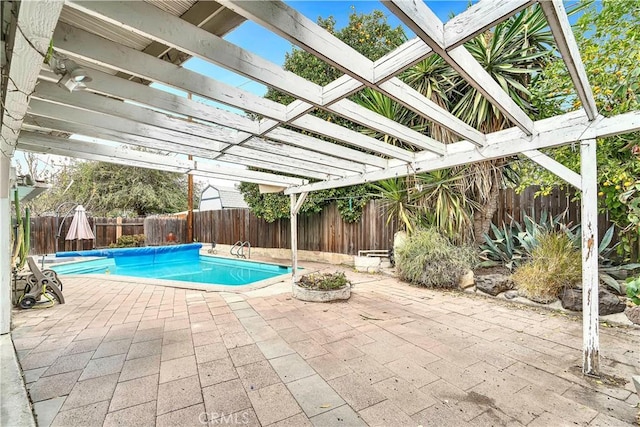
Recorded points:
286,139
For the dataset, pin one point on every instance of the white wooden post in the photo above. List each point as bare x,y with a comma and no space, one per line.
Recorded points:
294,240
589,206
296,204
5,245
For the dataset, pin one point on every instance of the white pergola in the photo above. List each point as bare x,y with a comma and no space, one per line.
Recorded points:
125,45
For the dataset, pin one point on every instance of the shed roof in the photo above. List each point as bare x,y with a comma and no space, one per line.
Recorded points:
230,198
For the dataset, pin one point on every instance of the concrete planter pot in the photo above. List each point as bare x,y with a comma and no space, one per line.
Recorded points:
312,295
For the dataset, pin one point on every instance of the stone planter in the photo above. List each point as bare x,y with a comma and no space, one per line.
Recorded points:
312,295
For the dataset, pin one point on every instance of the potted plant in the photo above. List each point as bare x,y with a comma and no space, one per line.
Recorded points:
322,287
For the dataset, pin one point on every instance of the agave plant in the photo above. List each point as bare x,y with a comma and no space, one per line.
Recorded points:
514,243
503,249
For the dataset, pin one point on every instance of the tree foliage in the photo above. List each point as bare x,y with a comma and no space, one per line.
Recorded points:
107,189
609,42
371,35
273,206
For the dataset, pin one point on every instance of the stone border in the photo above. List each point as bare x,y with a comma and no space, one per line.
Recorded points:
312,295
618,319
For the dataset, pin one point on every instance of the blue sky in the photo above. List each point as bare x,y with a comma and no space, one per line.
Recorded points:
260,41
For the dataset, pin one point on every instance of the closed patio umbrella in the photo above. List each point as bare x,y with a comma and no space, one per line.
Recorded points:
80,228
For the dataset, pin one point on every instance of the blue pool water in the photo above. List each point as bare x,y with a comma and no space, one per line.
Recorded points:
184,266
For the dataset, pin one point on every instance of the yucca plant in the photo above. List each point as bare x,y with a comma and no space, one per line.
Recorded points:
397,201
441,194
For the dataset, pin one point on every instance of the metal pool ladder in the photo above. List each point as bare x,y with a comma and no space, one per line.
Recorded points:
238,249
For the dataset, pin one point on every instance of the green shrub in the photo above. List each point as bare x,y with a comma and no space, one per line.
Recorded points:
324,281
633,290
429,259
555,264
129,241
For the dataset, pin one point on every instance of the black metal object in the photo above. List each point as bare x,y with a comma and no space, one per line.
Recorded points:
41,283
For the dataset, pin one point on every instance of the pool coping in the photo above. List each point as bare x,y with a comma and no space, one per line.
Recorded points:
189,285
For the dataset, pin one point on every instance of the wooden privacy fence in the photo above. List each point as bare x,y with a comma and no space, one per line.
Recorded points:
325,232
44,230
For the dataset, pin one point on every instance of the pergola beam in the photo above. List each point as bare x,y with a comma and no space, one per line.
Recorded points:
413,100
207,15
90,118
112,86
307,142
89,47
301,31
44,124
149,21
555,167
76,42
553,132
421,20
478,18
191,133
33,141
106,84
89,124
285,167
566,42
347,136
47,144
182,131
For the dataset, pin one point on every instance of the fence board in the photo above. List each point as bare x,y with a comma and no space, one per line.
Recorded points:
324,231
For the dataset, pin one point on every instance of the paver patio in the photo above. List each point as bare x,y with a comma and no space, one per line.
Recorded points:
131,354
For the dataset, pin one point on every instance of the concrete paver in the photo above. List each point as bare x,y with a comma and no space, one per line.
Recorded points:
225,398
135,416
140,367
89,415
134,392
273,403
178,394
314,395
392,355
254,376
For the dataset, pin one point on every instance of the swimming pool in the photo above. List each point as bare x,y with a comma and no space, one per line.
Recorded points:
182,265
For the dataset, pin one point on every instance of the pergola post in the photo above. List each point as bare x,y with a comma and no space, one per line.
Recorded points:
296,204
590,282
5,245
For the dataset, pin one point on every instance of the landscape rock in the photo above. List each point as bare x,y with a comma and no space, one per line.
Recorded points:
511,294
608,302
633,313
493,284
467,280
366,264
